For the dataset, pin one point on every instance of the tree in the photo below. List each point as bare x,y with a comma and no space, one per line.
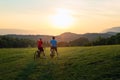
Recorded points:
82,41
9,42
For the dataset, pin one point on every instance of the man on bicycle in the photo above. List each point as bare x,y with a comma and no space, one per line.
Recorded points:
53,43
40,47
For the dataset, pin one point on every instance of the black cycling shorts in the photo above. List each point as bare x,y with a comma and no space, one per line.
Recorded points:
41,49
55,48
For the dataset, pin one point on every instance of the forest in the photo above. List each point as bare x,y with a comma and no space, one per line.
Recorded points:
10,42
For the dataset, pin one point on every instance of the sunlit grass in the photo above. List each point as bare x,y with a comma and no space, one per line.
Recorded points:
74,63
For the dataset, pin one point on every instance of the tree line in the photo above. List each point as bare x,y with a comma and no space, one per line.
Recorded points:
107,41
10,42
82,41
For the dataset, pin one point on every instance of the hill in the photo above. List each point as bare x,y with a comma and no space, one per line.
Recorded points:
68,36
94,36
74,63
113,30
65,37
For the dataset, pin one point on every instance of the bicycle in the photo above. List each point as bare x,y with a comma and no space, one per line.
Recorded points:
52,53
37,54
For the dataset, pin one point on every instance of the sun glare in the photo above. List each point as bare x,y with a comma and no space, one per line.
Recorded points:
62,18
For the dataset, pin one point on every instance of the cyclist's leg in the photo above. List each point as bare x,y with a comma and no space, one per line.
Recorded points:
51,49
42,50
38,53
52,52
43,53
56,51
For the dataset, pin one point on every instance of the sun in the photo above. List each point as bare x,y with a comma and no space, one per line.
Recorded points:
62,18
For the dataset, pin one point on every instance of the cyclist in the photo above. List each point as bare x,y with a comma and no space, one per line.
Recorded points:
40,47
53,43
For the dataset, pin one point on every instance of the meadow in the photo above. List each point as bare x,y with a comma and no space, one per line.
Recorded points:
74,63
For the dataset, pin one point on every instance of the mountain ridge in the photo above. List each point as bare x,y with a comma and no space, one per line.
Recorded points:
113,29
66,36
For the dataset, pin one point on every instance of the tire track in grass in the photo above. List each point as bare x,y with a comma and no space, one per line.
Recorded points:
45,67
43,70
26,71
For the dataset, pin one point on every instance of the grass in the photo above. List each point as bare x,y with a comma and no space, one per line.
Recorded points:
74,63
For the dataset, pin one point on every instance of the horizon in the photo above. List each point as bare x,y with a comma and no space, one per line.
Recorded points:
54,17
28,32
13,33
36,33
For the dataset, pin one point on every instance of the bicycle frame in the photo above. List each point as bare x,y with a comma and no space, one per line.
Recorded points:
52,54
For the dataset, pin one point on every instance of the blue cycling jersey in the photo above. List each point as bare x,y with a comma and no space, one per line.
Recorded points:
53,43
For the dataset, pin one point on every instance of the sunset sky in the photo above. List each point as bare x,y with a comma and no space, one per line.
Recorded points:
53,17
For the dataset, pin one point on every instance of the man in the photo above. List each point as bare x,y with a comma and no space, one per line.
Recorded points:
53,43
40,47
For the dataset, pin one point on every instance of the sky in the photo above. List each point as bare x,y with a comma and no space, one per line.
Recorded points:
53,17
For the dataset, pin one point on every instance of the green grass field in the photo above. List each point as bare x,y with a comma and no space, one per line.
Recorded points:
74,63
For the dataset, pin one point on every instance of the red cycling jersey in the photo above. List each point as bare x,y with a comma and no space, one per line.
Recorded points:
39,43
